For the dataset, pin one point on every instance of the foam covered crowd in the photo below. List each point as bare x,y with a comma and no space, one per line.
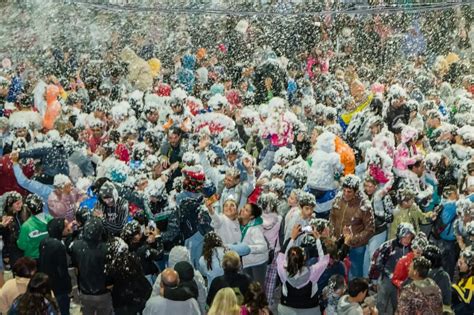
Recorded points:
327,171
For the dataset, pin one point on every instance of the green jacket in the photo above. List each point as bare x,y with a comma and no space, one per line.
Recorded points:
32,232
413,215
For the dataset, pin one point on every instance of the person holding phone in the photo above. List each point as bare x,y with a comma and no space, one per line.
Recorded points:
299,282
352,210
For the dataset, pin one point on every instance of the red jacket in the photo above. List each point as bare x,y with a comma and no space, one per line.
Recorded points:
122,153
94,143
253,197
7,177
400,274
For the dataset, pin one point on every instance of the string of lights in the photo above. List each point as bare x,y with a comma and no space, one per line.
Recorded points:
301,10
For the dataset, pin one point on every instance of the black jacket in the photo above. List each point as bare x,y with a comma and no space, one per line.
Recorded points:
234,280
88,256
54,159
53,259
148,254
10,236
396,116
131,288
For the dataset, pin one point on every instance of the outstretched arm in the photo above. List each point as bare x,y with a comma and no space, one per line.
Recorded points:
31,185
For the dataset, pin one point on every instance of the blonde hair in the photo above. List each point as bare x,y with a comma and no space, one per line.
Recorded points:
231,261
225,303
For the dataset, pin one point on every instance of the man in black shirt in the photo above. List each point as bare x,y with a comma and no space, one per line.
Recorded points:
88,256
232,278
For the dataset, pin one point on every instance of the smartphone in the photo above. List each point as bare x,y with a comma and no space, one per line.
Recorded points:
307,229
212,199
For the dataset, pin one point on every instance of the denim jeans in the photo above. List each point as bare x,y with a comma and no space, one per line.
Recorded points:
64,303
372,246
449,252
356,255
194,245
386,297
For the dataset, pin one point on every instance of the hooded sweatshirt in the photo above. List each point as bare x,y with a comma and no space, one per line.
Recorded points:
116,215
412,215
53,259
386,257
252,235
131,289
346,307
325,164
299,290
176,255
88,256
32,232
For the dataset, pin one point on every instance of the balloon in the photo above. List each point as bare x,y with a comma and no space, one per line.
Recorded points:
6,63
52,112
164,89
52,93
155,66
201,53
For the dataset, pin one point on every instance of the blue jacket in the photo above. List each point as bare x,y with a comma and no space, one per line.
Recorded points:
90,202
15,89
447,216
435,198
53,159
33,186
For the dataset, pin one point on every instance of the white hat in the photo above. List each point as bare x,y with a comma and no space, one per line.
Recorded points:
61,180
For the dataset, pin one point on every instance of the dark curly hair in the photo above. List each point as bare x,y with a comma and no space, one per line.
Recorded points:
296,261
211,241
37,297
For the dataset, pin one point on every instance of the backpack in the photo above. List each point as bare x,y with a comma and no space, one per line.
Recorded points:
438,226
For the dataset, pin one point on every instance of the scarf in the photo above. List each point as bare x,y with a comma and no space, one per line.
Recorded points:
254,222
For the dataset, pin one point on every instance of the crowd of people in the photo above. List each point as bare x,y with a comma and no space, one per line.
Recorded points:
316,177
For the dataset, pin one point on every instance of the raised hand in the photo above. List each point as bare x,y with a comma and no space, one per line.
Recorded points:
15,156
296,231
204,143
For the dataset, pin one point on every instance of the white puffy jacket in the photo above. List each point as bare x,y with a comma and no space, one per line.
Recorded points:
255,239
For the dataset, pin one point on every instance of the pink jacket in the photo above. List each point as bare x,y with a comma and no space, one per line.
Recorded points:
271,227
283,135
322,63
315,271
309,65
64,206
404,156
